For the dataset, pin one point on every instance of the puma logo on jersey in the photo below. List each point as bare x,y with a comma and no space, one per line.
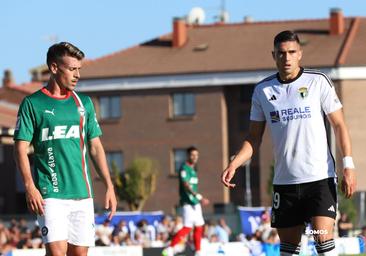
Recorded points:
61,132
50,112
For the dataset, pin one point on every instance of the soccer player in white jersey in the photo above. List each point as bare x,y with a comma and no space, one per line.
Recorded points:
62,127
293,103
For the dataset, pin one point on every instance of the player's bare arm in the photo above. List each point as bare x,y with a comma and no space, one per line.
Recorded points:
100,162
250,145
202,199
34,199
336,119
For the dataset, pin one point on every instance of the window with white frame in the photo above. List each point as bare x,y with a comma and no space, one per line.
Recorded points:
110,107
184,104
179,157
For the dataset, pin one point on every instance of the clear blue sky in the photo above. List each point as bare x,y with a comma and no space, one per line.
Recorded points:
28,27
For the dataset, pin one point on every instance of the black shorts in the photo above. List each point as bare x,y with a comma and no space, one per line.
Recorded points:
296,204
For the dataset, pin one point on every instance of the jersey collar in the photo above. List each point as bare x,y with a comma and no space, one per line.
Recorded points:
45,91
291,80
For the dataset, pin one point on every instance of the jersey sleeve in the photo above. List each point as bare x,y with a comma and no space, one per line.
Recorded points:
256,111
183,174
93,128
25,124
328,96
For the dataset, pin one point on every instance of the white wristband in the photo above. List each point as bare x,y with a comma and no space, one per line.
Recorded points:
348,162
199,197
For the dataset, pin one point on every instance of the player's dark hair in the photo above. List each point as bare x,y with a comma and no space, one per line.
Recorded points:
59,50
285,36
190,149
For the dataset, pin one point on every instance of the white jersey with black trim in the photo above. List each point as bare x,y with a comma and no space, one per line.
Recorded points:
294,112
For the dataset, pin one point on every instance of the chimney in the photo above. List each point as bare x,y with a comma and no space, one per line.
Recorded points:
8,78
248,19
179,32
336,22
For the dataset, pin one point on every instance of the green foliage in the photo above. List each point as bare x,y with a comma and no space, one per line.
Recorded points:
137,183
270,181
347,206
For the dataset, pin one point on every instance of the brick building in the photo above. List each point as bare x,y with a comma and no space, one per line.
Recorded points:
193,87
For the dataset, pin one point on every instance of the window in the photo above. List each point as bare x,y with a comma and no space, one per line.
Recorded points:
180,156
184,104
110,107
246,92
244,119
115,158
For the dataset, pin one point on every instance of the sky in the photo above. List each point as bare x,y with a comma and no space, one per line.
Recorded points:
29,27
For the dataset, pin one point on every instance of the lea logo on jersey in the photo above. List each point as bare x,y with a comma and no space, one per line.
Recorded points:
61,132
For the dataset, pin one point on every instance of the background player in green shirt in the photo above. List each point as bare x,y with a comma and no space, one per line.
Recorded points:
190,201
62,127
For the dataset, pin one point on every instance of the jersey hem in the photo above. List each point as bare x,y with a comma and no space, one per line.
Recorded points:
68,197
333,110
22,138
304,181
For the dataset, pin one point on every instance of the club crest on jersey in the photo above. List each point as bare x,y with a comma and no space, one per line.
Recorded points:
81,111
303,91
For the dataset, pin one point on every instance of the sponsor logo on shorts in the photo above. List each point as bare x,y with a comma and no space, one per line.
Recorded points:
316,232
331,209
44,231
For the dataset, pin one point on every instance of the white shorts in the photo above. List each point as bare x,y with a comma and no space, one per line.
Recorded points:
192,215
68,219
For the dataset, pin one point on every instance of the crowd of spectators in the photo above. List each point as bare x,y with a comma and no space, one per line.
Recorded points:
265,240
18,235
156,235
22,234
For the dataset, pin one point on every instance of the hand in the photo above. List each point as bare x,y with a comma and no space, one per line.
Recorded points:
34,201
110,202
226,177
348,184
204,201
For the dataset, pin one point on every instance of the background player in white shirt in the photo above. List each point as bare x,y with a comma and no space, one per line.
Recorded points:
293,103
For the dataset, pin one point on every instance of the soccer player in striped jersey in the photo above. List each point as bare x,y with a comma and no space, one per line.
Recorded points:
191,201
293,103
62,127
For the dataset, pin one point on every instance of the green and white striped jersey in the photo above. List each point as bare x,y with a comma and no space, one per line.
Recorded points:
59,130
189,175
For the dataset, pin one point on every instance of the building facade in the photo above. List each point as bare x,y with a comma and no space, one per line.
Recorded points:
194,87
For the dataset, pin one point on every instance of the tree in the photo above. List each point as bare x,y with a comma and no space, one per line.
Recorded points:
137,183
270,180
347,206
